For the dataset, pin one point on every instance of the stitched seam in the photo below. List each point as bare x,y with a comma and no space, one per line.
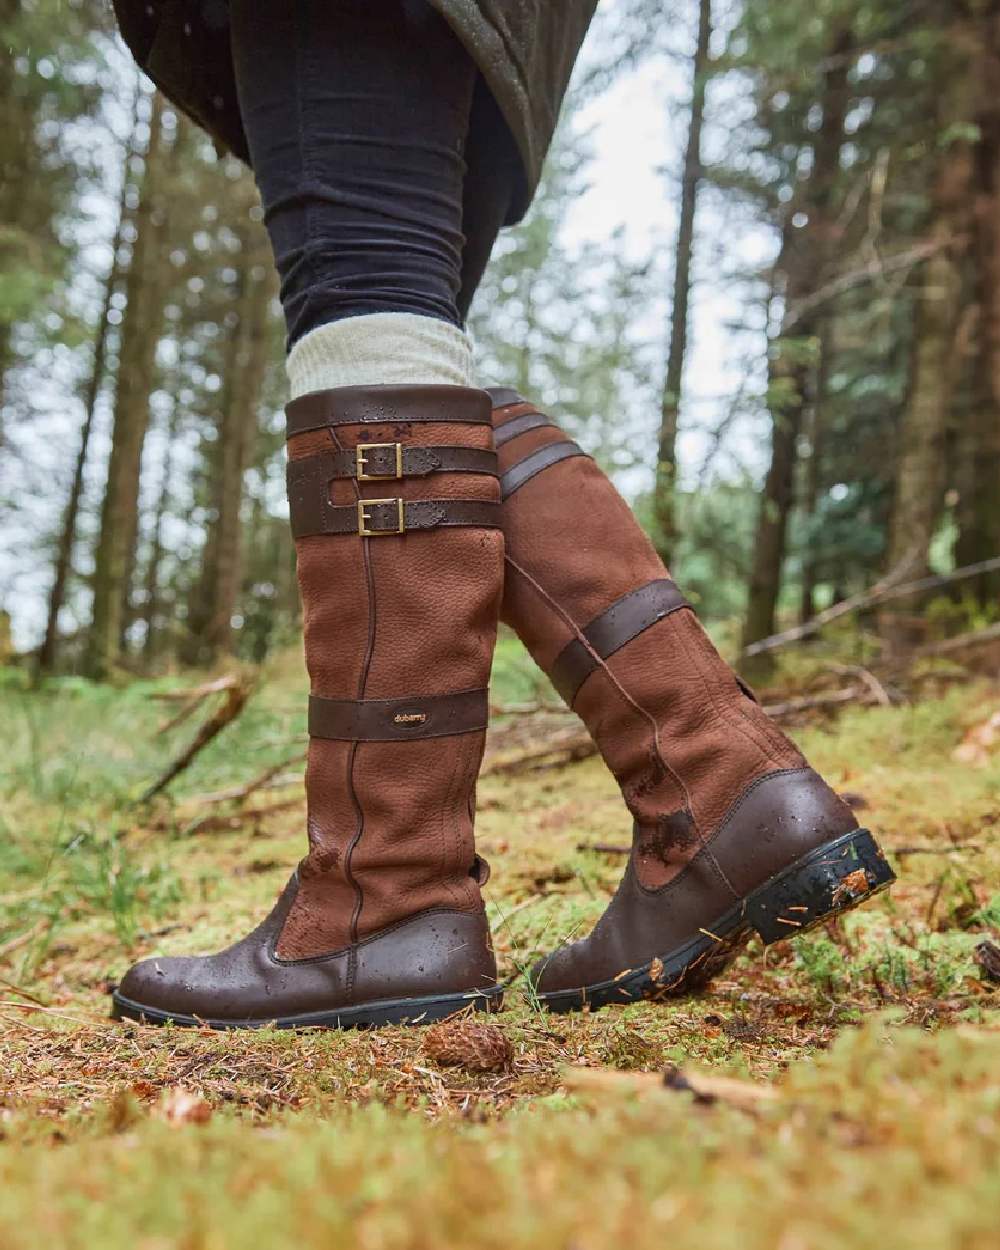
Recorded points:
723,711
443,813
621,646
648,716
352,758
351,951
502,431
745,795
663,889
616,684
565,450
305,73
712,695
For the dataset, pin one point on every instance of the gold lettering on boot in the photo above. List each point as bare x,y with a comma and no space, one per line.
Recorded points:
410,718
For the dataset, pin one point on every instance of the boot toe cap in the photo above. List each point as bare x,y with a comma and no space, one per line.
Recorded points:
164,985
556,972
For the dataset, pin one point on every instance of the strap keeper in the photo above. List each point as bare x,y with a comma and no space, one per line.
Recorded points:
361,459
365,519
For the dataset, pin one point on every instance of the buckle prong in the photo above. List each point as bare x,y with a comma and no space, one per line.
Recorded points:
364,519
361,453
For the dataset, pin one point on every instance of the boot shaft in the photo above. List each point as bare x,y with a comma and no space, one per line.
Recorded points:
600,613
394,505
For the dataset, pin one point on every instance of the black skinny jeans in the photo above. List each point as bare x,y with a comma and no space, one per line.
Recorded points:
358,115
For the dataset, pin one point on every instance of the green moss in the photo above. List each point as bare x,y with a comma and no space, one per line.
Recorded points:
883,1132
893,1138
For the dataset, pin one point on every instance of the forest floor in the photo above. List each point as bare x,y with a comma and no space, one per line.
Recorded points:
867,1055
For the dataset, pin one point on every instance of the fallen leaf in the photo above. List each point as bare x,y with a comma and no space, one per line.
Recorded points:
852,886
979,742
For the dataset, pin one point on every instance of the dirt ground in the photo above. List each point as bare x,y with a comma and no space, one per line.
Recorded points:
866,1055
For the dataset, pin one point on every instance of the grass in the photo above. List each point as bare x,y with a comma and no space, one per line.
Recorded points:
878,1033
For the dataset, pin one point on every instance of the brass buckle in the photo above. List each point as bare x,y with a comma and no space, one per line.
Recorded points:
364,518
361,460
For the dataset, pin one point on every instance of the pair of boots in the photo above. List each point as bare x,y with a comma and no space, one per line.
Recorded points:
422,515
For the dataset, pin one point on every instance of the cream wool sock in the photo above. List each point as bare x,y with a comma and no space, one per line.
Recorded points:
394,348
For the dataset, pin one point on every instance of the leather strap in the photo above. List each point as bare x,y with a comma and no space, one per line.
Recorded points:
383,462
504,396
627,617
396,720
312,513
387,405
521,425
543,458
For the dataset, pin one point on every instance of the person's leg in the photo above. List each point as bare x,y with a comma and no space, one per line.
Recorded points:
733,831
725,807
357,115
491,180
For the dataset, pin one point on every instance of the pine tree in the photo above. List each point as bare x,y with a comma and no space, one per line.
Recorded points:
666,459
140,332
215,595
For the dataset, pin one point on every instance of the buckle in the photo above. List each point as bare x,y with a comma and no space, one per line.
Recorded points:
361,460
364,520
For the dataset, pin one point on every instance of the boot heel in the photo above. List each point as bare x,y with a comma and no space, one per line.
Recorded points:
832,879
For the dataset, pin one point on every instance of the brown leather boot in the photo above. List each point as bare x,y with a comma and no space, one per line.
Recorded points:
383,921
733,831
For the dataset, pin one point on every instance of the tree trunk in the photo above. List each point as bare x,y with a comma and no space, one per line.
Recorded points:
134,384
920,476
802,262
664,496
152,590
787,383
979,440
218,588
67,535
814,470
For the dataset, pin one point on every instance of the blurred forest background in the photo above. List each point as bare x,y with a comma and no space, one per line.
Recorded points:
860,138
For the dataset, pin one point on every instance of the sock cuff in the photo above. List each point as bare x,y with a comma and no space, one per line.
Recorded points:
378,349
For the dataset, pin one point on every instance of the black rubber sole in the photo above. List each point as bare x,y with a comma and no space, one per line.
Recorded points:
827,882
366,1016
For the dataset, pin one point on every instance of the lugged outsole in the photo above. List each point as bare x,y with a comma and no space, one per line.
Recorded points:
365,1016
829,881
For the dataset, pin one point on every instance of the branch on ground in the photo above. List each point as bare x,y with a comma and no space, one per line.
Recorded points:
237,689
890,587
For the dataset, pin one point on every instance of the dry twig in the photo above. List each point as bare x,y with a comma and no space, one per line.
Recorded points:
260,782
977,638
747,1095
22,939
890,587
237,691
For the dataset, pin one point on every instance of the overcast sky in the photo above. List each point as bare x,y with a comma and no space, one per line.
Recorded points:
638,130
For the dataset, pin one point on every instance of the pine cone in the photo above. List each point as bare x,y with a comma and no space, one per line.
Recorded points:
468,1044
